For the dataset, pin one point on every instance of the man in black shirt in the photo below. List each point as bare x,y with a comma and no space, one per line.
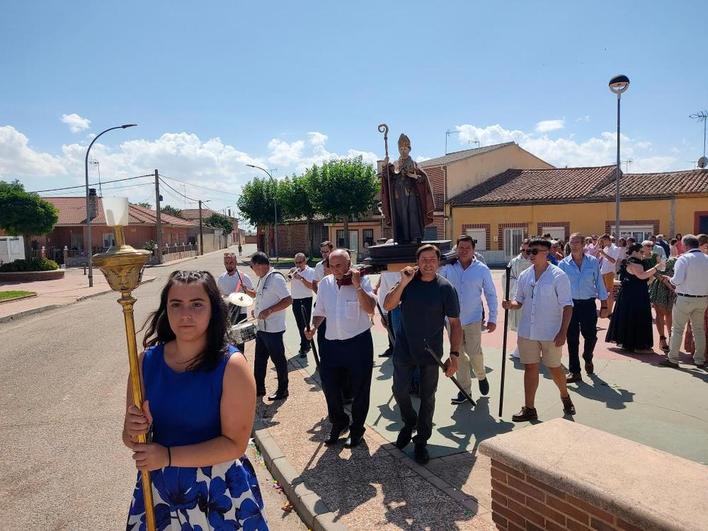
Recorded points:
425,299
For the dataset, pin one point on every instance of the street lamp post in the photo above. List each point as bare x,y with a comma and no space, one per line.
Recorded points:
275,209
88,213
618,85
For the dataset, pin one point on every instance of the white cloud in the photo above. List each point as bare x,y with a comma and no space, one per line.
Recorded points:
595,151
75,122
209,163
19,160
585,118
316,138
546,126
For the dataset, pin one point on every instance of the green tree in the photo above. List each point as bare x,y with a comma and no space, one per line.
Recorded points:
294,198
172,211
343,189
23,213
257,202
220,222
144,204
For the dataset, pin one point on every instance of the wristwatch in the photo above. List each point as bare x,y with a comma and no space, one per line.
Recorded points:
454,353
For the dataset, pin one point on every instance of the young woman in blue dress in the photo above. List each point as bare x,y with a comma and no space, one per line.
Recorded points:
200,398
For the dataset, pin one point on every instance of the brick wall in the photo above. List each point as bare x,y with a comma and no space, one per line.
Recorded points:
522,502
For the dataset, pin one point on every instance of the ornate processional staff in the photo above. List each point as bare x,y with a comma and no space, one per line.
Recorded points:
383,128
122,265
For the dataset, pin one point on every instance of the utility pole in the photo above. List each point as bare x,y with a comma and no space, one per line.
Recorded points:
201,230
158,219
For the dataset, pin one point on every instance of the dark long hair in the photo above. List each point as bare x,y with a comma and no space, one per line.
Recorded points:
160,332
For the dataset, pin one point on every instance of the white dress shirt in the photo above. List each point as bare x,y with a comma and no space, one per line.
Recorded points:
271,289
470,283
542,302
691,273
298,288
234,283
342,309
319,270
388,280
605,265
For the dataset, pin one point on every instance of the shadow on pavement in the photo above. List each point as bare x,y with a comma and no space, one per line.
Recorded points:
601,391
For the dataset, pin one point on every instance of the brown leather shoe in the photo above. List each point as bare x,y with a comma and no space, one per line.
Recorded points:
568,407
526,414
573,377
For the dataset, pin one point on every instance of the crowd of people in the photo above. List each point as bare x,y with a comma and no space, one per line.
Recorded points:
197,438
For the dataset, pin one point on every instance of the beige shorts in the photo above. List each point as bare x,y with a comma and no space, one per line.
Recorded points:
532,351
609,279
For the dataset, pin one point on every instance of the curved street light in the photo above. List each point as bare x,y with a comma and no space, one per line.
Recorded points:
88,214
275,210
618,85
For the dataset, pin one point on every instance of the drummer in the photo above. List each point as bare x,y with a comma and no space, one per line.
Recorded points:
233,281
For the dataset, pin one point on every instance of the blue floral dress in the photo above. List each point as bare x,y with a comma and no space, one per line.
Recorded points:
186,409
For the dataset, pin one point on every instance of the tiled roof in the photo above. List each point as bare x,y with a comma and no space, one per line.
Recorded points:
460,155
193,213
573,185
665,184
72,211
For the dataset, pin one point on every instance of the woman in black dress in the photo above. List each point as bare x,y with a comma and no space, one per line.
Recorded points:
631,323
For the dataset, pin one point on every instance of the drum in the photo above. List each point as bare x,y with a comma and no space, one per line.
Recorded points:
243,332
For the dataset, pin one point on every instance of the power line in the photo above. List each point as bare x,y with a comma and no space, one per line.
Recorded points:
90,184
108,188
175,191
196,185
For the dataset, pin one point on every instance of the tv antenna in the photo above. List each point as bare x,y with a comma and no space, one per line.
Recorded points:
701,116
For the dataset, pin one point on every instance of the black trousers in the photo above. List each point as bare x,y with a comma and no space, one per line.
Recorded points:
583,321
270,345
349,360
322,342
302,323
403,370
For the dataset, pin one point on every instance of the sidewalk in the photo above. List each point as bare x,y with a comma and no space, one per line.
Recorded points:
377,486
54,293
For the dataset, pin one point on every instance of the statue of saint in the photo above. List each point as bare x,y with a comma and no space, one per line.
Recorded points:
405,188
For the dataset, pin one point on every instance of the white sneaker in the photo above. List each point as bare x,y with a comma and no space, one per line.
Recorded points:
515,354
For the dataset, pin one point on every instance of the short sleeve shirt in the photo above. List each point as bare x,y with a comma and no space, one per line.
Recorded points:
234,284
424,307
271,289
542,302
319,271
341,307
298,288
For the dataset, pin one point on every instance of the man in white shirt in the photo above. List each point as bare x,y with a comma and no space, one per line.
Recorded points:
609,255
691,281
272,298
544,297
322,267
346,300
302,279
232,281
471,279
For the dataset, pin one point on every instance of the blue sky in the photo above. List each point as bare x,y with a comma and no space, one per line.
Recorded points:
214,85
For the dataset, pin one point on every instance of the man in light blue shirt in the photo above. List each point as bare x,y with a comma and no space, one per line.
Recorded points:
586,285
471,278
544,298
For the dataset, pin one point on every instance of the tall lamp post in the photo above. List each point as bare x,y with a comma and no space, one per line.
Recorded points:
88,213
275,209
618,85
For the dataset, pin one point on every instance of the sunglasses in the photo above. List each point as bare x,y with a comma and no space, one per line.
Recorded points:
535,251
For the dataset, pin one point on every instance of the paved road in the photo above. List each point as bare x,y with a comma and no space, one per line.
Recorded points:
62,396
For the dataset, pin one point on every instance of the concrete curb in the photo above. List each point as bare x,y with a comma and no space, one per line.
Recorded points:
309,506
34,311
180,260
